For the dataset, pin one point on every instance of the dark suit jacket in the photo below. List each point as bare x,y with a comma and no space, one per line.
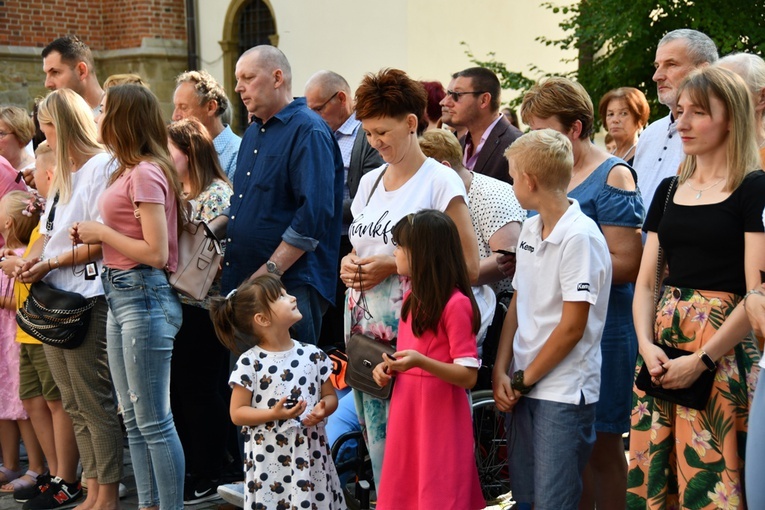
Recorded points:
363,159
491,160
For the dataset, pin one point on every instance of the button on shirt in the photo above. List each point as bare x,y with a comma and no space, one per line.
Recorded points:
658,156
227,146
288,187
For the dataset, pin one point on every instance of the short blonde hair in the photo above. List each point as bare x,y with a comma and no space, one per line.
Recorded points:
547,155
564,99
19,121
441,145
121,79
44,152
742,152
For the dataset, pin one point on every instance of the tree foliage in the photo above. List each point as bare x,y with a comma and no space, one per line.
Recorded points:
616,40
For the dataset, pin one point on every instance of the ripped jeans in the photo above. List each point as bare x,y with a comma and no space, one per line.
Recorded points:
144,317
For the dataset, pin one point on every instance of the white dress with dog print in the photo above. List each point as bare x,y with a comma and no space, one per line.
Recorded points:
287,465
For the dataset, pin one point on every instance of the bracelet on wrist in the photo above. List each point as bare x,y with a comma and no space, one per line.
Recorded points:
753,291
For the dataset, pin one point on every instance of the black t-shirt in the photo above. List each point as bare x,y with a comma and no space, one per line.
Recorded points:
704,244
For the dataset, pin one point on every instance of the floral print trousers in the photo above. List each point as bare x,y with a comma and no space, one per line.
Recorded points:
681,457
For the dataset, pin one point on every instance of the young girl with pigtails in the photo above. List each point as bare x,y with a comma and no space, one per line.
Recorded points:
281,395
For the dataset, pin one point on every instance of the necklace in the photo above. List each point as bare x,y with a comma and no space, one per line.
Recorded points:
700,191
624,156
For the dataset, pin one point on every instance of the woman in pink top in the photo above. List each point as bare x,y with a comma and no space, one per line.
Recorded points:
139,234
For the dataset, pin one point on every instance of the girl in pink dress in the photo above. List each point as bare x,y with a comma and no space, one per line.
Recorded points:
429,460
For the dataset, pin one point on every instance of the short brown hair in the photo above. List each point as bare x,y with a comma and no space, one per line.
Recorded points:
636,104
441,145
390,93
564,99
547,155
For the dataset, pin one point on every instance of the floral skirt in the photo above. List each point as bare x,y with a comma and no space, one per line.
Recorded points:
681,457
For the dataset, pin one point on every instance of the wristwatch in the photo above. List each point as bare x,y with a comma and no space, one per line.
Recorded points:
272,268
704,357
517,383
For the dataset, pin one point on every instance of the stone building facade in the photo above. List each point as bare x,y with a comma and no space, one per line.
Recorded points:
146,37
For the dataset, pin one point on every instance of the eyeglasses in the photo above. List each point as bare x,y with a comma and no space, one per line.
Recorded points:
318,109
3,134
456,95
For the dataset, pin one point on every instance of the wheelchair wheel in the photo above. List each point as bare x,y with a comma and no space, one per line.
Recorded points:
490,445
355,470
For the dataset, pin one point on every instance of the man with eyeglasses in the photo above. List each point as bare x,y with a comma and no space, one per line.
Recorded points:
328,94
472,102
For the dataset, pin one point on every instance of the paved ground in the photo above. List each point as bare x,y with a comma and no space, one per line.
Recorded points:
131,501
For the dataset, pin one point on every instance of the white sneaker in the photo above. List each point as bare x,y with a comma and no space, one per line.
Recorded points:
232,493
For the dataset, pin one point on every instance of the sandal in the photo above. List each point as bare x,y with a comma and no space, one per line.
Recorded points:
28,479
8,476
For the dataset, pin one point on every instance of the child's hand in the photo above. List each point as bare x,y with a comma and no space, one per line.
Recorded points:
403,360
317,414
282,412
8,264
381,374
504,395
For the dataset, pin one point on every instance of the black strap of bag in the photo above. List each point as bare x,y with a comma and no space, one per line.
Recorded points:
661,258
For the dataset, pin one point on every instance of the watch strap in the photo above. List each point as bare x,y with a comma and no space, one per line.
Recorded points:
704,357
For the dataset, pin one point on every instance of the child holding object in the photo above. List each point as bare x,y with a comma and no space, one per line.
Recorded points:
281,395
547,371
430,421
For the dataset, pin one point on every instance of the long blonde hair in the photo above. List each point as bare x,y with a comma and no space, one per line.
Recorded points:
76,133
742,153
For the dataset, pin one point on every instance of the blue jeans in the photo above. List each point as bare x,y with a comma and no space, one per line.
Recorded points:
549,444
755,448
144,317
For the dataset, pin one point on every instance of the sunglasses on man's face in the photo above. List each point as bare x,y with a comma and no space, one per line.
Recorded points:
456,95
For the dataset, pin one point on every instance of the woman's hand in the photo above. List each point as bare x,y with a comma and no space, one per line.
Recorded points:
87,232
506,265
655,359
9,264
32,271
367,272
682,372
755,311
317,414
281,412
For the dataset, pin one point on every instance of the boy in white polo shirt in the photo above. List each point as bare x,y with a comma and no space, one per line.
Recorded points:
547,370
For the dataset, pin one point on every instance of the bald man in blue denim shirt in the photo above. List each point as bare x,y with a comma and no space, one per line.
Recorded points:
286,210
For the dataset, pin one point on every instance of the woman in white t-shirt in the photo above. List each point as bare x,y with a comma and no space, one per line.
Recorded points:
388,105
82,374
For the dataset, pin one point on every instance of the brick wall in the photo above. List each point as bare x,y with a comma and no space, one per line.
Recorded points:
102,24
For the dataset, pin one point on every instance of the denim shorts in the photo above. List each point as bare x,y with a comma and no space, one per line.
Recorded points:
549,444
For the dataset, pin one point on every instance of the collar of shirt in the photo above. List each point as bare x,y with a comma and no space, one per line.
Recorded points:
349,127
470,162
560,228
285,114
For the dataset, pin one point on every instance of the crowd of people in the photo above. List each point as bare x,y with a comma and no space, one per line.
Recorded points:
408,213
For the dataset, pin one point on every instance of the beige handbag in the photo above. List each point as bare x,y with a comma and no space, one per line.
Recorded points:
199,257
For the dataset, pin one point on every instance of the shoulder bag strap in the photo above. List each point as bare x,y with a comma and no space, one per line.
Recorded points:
661,259
377,182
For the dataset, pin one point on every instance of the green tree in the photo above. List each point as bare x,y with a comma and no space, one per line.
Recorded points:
616,40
